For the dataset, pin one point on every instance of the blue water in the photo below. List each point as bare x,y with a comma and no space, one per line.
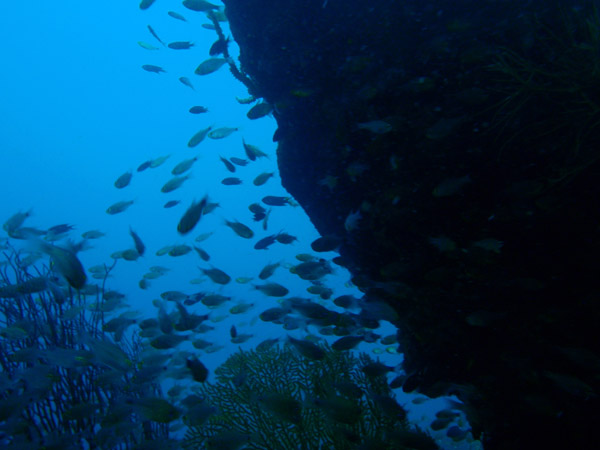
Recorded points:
77,111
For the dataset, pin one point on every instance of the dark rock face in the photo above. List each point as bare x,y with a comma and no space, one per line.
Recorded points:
465,133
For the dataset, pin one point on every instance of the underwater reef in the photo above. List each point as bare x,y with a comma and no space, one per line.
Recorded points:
278,398
65,383
451,147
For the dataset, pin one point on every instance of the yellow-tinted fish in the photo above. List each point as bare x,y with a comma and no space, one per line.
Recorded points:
198,137
221,133
67,264
173,184
119,207
209,66
240,229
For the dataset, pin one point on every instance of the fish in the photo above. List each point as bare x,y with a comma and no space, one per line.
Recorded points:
143,166
265,242
266,344
273,200
179,250
346,301
327,243
322,291
285,238
217,275
241,308
272,289
173,184
376,369
259,212
164,250
259,110
243,280
173,296
376,126
214,300
252,151
230,167
147,46
218,47
153,69
201,344
139,245
153,33
180,45
273,314
239,161
199,5
118,207
129,254
60,229
66,262
268,270
184,166
203,254
192,216
171,203
198,137
158,161
145,4
346,343
204,236
209,66
199,370
198,110
167,341
217,15
210,207
107,353
221,133
352,221
152,275
240,229
15,221
31,286
312,270
246,101
117,323
262,178
186,82
307,349
93,234
231,181
309,309
177,16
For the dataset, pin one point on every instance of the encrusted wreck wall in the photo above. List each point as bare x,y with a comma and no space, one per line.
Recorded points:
463,136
